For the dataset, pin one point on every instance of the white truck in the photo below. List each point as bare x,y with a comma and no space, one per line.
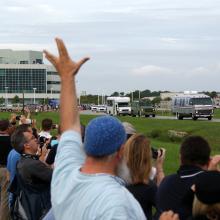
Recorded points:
192,104
118,106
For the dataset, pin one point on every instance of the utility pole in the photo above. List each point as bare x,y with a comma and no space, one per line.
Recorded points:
23,102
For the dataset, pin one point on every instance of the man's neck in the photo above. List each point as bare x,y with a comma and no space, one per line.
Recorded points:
30,152
92,166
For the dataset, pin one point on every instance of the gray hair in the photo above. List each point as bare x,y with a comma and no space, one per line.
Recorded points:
18,140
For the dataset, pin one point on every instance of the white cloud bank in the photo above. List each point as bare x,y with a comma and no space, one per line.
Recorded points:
152,70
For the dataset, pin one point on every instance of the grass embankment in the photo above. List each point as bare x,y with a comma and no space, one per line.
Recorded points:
157,131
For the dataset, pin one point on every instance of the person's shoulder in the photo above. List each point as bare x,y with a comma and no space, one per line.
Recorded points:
169,182
30,162
143,189
13,156
13,153
170,178
120,194
113,186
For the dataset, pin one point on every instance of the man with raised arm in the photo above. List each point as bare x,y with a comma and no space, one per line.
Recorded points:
85,183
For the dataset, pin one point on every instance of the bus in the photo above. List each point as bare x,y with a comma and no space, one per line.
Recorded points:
192,105
118,105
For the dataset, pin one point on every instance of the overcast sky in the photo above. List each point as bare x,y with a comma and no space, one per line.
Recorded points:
133,44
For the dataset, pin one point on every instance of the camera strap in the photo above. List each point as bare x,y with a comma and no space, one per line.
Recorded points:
34,157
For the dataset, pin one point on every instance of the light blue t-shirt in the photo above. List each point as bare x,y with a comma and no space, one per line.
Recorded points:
13,158
76,195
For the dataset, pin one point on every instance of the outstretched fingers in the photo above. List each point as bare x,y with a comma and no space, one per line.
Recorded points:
82,61
61,48
50,57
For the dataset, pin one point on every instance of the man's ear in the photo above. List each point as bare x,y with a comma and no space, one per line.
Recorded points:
26,147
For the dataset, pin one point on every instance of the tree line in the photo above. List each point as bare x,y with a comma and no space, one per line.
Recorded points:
96,99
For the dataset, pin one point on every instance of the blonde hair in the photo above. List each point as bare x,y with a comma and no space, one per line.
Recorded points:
211,211
137,154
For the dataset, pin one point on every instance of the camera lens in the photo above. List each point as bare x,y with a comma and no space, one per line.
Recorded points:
154,153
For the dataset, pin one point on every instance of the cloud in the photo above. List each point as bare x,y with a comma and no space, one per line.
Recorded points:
25,46
151,70
198,71
15,8
169,40
126,10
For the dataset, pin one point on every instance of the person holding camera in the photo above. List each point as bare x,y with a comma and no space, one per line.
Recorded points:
138,159
174,191
33,177
5,148
158,156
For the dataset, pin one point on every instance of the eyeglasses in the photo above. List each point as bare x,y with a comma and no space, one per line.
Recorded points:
32,138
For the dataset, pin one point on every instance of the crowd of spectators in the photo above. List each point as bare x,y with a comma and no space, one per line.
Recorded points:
106,170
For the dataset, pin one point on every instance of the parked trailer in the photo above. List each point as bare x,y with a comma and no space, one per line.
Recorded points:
118,105
192,105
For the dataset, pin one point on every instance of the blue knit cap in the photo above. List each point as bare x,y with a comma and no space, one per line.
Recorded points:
104,135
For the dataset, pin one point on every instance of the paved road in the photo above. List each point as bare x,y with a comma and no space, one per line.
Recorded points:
174,118
89,112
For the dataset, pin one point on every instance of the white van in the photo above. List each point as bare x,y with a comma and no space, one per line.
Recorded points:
118,105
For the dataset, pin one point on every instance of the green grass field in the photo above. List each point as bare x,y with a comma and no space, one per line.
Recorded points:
217,113
157,131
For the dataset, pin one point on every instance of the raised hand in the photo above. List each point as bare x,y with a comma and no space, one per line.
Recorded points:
64,65
67,69
214,163
169,215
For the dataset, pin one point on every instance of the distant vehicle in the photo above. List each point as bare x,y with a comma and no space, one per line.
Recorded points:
192,105
142,108
10,108
118,105
94,108
101,108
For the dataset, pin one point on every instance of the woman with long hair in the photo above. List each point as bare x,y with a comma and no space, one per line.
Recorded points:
137,156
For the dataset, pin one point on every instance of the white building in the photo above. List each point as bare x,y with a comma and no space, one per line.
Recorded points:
24,72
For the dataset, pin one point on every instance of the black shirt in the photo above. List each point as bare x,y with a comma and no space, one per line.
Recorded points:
33,171
33,179
5,148
145,195
52,154
174,192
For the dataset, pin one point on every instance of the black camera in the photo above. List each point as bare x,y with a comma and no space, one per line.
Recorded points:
156,152
42,140
18,117
49,145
